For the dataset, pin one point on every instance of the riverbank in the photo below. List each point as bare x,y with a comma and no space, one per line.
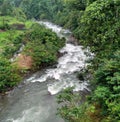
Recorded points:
35,99
40,49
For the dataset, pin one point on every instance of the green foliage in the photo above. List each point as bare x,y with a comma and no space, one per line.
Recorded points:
19,14
97,26
4,27
11,35
39,8
8,75
70,14
76,4
107,77
1,2
100,25
6,8
40,43
12,48
72,108
46,45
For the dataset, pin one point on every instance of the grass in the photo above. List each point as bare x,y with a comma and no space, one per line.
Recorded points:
7,37
9,20
28,24
12,20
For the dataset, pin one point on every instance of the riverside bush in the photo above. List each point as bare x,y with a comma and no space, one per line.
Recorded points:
8,75
42,45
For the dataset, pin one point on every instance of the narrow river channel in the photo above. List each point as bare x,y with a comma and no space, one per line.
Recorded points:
35,99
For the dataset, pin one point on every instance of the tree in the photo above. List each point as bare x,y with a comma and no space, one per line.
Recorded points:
1,2
6,8
106,94
96,23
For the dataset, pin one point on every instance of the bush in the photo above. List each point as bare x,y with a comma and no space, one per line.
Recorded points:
8,75
5,27
43,45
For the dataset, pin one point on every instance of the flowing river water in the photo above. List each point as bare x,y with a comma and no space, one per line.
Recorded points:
34,100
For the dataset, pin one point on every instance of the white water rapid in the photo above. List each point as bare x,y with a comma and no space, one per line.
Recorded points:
34,100
72,61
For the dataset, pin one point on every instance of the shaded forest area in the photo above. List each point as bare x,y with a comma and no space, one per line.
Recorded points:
96,24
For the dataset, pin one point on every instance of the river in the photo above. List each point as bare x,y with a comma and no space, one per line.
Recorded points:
34,100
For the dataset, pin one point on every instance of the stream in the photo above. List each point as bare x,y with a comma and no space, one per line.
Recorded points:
34,100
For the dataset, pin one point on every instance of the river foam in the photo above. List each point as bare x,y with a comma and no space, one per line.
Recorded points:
31,101
63,76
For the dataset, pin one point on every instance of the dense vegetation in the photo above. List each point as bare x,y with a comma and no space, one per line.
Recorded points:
41,44
9,75
95,23
10,42
38,9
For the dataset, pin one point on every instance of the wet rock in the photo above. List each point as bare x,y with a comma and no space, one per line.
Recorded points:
72,40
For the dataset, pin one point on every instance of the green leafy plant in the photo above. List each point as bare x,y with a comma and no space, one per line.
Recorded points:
8,75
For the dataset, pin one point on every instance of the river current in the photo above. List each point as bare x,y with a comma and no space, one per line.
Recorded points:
34,100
